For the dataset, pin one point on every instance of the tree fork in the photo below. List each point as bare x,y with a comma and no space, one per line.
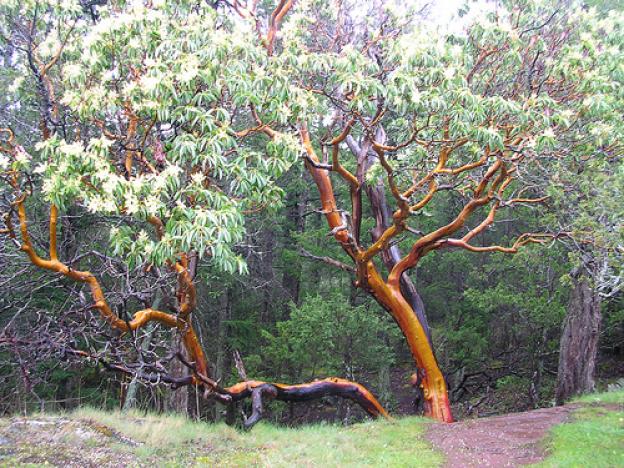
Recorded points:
140,318
389,296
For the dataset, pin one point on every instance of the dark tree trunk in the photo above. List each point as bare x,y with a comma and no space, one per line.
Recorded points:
178,399
296,222
222,362
266,270
579,341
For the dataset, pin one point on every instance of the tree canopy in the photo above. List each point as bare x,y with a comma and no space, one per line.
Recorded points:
176,123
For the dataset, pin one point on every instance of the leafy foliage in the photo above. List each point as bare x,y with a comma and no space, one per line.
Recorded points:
159,110
325,336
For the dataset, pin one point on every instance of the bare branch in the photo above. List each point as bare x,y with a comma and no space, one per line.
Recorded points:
327,260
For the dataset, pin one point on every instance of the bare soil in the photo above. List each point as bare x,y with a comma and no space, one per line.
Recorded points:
499,441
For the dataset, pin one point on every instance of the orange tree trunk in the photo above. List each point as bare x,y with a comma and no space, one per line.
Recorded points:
431,380
387,295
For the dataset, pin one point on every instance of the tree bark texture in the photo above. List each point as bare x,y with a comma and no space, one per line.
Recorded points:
178,398
390,256
333,386
579,342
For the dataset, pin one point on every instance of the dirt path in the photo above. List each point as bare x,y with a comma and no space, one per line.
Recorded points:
499,441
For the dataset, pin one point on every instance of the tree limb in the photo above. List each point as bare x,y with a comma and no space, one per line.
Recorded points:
327,260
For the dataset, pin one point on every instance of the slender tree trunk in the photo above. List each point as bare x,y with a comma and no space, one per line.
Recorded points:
291,278
179,398
131,401
385,385
536,380
222,361
178,401
579,341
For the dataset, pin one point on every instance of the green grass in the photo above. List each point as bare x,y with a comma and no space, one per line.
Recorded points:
593,437
606,398
177,441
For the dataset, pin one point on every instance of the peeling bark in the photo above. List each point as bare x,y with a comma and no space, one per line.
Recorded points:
388,293
182,321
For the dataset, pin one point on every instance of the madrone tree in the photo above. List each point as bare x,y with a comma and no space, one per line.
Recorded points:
483,118
177,117
138,109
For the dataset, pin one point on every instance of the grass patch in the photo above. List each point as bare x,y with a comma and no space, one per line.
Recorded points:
380,443
594,437
174,440
606,398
